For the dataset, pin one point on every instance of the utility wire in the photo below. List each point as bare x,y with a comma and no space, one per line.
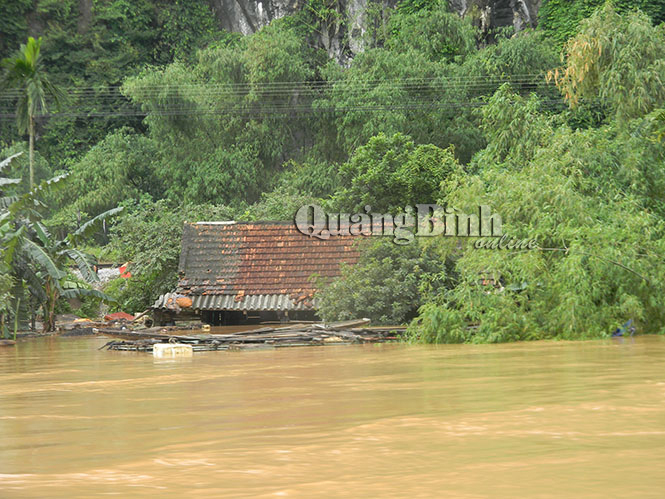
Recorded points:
205,99
291,85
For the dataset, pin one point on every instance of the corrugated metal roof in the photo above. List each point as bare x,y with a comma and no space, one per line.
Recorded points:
231,302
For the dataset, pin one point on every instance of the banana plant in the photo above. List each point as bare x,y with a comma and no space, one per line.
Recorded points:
6,280
5,199
42,261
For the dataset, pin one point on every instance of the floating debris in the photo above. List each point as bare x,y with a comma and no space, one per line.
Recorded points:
266,337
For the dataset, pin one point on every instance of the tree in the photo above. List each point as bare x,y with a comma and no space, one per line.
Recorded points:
6,280
560,19
390,172
224,125
119,167
25,74
5,198
43,262
437,33
387,285
591,199
617,58
35,257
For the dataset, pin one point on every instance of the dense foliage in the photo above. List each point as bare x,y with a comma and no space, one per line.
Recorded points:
36,266
388,284
560,19
558,129
592,204
389,173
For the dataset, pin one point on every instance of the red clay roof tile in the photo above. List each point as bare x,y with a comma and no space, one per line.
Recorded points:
258,258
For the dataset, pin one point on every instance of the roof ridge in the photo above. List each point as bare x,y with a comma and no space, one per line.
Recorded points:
243,222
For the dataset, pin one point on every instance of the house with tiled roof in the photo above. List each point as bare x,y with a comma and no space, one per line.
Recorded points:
235,272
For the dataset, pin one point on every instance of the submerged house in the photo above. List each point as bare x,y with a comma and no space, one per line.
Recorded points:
237,272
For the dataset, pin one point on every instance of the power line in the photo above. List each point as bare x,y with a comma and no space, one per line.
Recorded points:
293,87
289,85
547,104
296,97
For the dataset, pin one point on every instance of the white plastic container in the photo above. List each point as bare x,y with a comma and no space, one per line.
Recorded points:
165,350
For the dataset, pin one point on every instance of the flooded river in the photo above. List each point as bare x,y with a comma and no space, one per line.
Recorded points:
545,419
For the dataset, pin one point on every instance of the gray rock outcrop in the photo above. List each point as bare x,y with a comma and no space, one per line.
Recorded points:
342,36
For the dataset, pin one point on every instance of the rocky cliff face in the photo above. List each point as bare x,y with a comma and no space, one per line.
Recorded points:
342,38
520,14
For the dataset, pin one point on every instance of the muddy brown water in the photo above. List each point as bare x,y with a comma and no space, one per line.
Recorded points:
542,419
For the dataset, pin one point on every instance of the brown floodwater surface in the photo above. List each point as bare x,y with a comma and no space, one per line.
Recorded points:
542,419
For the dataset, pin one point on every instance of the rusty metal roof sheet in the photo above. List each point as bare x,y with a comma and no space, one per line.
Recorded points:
256,265
246,303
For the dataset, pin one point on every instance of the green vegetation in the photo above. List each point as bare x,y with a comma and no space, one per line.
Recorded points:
390,173
24,73
624,68
593,205
388,285
560,19
559,129
36,264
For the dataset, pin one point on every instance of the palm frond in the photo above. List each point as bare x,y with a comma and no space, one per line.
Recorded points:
78,292
34,282
42,259
5,162
88,228
53,92
42,233
10,243
30,199
83,262
6,201
25,74
9,181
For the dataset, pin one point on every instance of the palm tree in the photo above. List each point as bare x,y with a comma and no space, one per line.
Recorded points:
25,75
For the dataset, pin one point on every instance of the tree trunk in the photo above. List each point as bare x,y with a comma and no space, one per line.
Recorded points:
51,316
49,307
32,152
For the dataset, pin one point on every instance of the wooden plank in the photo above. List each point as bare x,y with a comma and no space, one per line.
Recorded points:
344,324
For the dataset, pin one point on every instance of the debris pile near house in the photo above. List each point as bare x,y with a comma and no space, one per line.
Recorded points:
119,316
77,327
69,326
356,331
